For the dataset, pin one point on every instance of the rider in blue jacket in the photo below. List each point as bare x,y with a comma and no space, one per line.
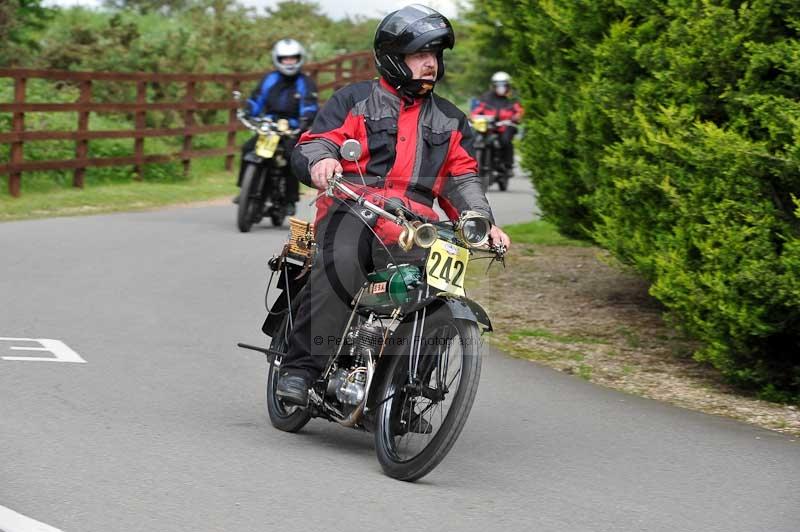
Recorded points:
284,93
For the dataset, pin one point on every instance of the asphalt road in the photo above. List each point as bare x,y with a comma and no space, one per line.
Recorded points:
148,418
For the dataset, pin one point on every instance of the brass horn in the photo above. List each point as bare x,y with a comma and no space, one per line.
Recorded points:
416,232
406,238
425,234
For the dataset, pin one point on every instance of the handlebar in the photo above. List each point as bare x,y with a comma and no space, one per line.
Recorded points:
493,121
265,124
335,183
505,123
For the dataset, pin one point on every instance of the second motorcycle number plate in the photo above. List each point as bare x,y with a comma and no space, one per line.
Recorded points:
266,145
447,267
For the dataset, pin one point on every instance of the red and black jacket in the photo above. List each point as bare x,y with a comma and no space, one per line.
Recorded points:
501,107
416,150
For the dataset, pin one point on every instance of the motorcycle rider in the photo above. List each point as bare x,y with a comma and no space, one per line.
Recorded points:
288,93
417,147
499,103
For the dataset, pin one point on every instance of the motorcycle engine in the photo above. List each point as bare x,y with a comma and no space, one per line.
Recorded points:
348,384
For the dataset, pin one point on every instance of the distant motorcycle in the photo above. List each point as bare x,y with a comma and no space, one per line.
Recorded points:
264,187
409,365
488,151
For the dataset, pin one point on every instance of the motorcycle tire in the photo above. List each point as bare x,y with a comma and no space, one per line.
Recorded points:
287,419
248,205
394,400
279,203
277,219
483,170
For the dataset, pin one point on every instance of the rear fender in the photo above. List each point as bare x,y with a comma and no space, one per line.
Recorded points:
294,278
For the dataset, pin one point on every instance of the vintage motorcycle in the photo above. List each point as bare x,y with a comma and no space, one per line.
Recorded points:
263,189
488,152
409,365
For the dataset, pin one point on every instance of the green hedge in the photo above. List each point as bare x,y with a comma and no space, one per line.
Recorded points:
667,131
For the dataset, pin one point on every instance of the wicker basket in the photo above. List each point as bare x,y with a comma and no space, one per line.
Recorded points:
301,238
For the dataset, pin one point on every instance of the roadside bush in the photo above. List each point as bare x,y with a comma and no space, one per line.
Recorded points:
668,132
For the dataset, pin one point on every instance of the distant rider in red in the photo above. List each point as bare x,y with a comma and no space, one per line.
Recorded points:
499,102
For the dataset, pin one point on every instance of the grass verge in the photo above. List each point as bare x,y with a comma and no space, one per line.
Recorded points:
564,304
208,180
541,233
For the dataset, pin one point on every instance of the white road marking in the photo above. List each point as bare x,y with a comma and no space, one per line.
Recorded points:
60,350
11,521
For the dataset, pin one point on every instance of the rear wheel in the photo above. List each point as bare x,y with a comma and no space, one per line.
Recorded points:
417,423
248,200
285,418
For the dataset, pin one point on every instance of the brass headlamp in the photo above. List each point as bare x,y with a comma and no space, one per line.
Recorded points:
473,228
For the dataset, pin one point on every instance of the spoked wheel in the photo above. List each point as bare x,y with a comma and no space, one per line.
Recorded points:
418,422
248,203
285,418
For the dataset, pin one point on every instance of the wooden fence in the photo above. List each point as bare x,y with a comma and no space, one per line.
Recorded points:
331,74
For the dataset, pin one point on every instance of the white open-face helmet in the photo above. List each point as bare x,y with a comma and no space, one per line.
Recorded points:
501,82
500,78
288,48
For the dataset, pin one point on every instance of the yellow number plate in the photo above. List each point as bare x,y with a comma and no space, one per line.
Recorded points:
266,145
480,124
447,267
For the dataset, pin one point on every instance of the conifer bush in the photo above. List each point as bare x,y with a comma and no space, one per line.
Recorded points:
668,132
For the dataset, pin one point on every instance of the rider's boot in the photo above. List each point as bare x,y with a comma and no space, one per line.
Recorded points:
293,388
291,209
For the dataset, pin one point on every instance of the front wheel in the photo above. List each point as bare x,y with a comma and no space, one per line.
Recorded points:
419,421
248,199
483,169
277,218
282,417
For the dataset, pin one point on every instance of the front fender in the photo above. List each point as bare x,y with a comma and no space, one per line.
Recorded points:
466,309
253,158
461,308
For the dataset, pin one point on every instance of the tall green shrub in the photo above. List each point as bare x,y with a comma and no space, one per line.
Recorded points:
668,131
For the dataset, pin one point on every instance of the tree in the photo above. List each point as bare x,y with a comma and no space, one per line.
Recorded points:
148,6
475,56
19,19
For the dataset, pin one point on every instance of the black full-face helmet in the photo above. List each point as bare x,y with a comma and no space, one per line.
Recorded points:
414,28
